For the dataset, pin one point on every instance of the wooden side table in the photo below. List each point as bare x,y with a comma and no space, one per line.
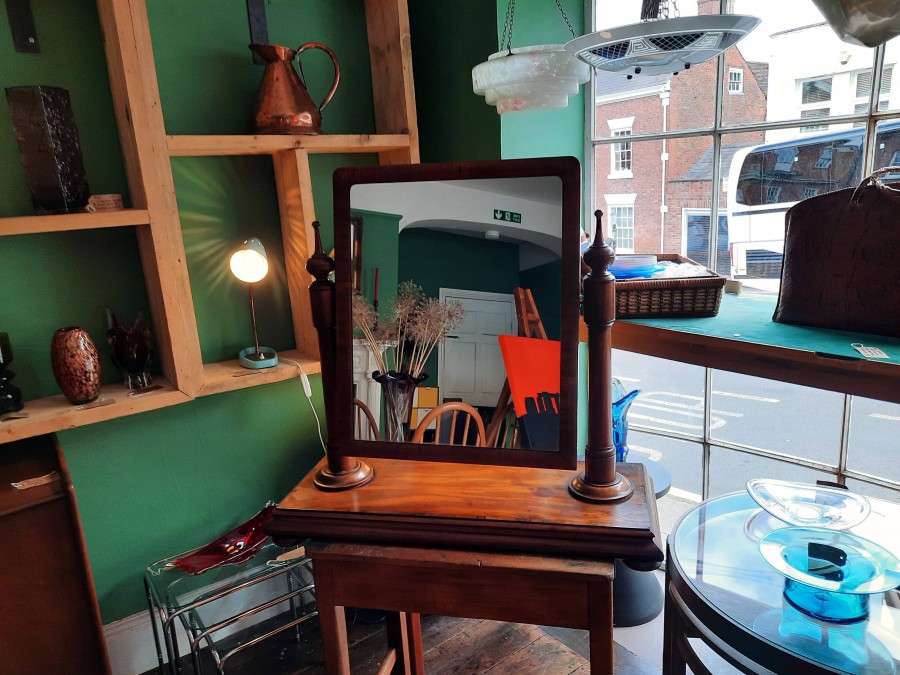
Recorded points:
557,591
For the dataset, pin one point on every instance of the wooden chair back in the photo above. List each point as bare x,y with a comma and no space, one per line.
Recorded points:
459,419
364,425
504,432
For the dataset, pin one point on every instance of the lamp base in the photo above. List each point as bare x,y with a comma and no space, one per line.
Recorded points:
265,358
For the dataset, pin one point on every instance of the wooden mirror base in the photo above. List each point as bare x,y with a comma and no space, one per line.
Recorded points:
359,474
621,488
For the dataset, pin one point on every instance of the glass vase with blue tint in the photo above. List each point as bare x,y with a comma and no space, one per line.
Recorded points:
621,403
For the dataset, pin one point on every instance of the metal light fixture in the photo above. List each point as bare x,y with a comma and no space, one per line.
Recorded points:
529,78
250,264
659,44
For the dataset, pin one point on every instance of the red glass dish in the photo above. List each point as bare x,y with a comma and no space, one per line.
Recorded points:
232,548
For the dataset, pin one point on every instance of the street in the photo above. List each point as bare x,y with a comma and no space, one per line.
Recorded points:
765,414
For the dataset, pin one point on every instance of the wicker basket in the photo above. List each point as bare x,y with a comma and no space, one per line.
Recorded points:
649,298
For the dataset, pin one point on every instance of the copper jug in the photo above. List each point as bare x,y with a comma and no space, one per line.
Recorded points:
283,105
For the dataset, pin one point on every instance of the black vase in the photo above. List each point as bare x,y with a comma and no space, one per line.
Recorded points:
10,395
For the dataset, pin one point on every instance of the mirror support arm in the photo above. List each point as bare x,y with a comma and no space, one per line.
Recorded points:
340,473
599,482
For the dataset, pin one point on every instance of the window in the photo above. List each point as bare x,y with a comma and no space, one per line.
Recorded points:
813,94
752,159
621,154
735,80
621,222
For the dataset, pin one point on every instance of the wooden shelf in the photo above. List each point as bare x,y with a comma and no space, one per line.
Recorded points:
55,413
231,375
208,146
66,222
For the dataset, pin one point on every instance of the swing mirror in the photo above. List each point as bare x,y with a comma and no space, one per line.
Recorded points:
462,293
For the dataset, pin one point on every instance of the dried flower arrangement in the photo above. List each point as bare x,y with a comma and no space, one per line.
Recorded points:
417,325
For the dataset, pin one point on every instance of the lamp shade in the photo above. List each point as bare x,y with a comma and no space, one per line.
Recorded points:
529,78
662,46
249,262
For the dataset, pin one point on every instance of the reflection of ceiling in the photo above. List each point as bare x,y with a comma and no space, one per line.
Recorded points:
467,207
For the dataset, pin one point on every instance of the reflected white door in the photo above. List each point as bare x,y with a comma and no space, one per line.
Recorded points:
470,363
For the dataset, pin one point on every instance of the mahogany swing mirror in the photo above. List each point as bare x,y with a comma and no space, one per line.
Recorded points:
469,296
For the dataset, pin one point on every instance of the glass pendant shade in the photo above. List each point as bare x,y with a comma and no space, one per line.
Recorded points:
529,78
661,46
250,263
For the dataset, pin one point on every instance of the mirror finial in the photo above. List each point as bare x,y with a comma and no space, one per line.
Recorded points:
600,482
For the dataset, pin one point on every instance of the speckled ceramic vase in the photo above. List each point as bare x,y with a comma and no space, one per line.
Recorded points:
76,364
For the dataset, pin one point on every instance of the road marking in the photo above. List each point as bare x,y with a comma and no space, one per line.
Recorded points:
749,397
672,423
662,405
882,416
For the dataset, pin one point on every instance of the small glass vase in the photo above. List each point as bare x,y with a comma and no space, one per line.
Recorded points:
131,350
398,390
621,403
10,395
76,364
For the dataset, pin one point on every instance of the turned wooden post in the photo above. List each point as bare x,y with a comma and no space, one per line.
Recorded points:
600,482
340,473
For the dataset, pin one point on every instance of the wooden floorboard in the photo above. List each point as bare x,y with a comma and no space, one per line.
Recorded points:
453,646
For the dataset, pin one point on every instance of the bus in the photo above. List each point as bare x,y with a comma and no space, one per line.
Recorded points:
764,181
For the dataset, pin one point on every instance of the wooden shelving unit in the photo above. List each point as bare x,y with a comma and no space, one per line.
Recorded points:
148,151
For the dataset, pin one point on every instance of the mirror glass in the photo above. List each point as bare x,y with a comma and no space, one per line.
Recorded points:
463,307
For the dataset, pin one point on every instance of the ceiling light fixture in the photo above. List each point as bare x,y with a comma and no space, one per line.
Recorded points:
659,44
529,78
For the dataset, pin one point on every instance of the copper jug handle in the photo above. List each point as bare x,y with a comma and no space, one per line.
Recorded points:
337,69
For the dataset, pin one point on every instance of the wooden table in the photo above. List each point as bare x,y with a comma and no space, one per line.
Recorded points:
491,542
742,338
549,590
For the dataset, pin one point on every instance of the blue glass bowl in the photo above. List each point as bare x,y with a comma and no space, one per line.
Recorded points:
831,560
830,574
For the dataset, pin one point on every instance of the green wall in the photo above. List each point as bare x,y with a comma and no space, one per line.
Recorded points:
545,282
544,133
155,484
449,39
381,235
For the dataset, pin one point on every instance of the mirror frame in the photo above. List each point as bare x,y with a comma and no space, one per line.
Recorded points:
340,424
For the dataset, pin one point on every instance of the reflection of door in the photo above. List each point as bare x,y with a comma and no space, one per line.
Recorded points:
470,363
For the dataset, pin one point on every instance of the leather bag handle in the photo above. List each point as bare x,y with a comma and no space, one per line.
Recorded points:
337,69
873,179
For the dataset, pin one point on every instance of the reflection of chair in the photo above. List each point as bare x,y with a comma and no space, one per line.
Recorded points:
504,431
461,430
363,416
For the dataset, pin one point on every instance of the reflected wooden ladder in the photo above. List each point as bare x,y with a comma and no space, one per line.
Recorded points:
530,325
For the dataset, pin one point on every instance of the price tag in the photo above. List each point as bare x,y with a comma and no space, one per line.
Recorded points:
869,352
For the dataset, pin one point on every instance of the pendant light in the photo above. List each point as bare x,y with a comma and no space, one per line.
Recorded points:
659,44
529,78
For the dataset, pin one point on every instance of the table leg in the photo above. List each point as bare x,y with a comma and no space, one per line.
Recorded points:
399,639
333,627
414,633
600,626
673,662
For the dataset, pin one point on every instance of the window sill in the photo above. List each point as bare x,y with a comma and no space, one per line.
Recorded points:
618,175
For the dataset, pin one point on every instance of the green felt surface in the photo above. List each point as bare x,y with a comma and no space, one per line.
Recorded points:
748,317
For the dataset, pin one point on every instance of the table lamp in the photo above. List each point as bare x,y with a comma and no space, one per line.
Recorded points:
250,264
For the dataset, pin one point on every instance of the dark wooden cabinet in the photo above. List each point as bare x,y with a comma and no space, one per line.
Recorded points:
50,620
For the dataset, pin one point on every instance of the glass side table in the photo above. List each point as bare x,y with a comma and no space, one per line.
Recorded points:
214,607
720,590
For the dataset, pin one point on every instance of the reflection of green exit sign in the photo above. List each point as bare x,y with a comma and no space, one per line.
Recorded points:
507,216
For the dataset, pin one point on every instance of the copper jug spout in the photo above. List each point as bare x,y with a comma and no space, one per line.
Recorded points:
283,104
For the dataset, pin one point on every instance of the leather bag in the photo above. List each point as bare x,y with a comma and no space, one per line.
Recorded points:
841,266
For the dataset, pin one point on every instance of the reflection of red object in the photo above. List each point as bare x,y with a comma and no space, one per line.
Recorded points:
532,367
233,547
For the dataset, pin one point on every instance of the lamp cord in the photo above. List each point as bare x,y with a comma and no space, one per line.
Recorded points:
307,390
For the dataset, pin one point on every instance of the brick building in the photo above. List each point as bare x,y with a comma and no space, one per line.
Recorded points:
656,194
